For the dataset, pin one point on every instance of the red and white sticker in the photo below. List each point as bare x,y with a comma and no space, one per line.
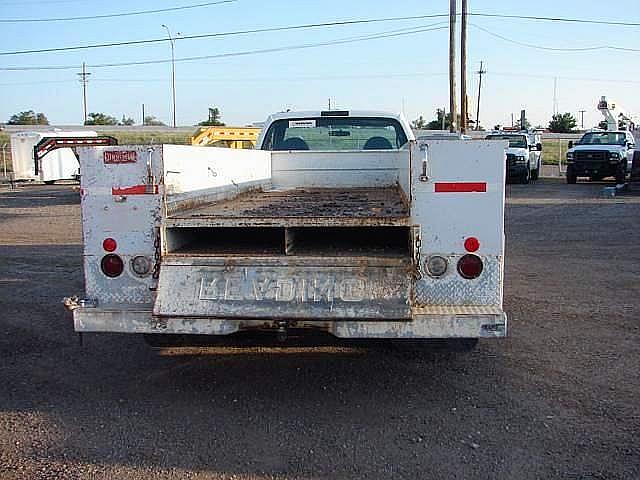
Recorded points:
120,156
135,190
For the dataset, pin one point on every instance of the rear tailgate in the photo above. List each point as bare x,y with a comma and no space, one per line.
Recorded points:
283,288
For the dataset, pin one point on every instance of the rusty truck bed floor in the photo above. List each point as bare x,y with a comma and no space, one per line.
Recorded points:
302,207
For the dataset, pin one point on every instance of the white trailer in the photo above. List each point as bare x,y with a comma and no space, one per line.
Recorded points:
340,221
58,164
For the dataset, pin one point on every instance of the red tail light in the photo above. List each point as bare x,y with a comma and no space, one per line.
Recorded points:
470,266
471,244
109,245
112,265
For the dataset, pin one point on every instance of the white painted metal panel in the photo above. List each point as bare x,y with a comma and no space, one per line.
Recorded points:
190,169
340,169
448,218
130,219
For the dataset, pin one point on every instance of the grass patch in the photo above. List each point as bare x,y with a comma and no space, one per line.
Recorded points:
150,138
554,149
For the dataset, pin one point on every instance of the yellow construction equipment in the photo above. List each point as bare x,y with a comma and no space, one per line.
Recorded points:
231,137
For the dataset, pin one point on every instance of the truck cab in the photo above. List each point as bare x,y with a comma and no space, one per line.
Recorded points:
600,154
340,221
524,154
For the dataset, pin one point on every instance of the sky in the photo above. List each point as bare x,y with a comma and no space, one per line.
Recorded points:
398,71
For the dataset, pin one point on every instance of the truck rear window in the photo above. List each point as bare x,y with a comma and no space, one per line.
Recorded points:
335,133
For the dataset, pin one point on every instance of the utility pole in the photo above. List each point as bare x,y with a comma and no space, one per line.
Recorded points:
480,73
582,115
143,121
453,108
463,69
329,103
173,73
555,95
84,79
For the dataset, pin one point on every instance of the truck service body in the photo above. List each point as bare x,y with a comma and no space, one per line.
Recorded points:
339,221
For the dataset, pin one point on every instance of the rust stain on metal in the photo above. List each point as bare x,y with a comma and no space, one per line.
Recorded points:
353,203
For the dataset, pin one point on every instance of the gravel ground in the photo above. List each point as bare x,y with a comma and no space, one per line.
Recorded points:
557,399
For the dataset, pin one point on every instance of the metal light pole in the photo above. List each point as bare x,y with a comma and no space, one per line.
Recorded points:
173,73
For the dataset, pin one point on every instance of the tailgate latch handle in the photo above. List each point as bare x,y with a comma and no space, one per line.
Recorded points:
423,175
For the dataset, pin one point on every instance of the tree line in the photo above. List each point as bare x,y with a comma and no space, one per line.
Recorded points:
559,123
30,117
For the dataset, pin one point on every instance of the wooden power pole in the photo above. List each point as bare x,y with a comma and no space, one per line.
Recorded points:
480,73
463,69
453,108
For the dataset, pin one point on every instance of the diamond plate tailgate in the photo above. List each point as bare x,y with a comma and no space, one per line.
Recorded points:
317,289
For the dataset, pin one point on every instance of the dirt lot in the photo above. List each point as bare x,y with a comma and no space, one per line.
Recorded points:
558,399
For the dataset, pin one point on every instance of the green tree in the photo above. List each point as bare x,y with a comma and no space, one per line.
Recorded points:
28,117
562,123
126,121
153,121
527,124
419,123
214,118
101,119
436,124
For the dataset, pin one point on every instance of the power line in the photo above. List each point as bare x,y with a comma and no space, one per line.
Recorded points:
227,34
555,49
323,77
558,19
112,15
392,33
316,25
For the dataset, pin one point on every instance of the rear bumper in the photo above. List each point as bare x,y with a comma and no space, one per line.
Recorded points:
428,322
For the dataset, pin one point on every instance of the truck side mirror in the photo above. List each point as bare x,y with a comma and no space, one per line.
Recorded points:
570,144
539,147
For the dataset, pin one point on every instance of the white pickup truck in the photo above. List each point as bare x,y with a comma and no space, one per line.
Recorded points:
340,221
524,154
600,154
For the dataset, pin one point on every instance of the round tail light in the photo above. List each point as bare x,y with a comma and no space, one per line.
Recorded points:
109,245
472,244
436,265
470,266
112,265
141,265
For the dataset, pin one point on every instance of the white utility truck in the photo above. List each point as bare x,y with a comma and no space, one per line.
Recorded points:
600,154
340,221
524,153
48,156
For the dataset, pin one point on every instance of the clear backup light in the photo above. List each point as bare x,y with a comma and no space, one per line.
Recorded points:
112,265
141,265
436,265
470,266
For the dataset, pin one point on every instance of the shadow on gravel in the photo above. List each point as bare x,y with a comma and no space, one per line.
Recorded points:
37,196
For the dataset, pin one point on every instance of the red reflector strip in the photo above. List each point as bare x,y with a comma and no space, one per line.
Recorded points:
135,190
460,187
